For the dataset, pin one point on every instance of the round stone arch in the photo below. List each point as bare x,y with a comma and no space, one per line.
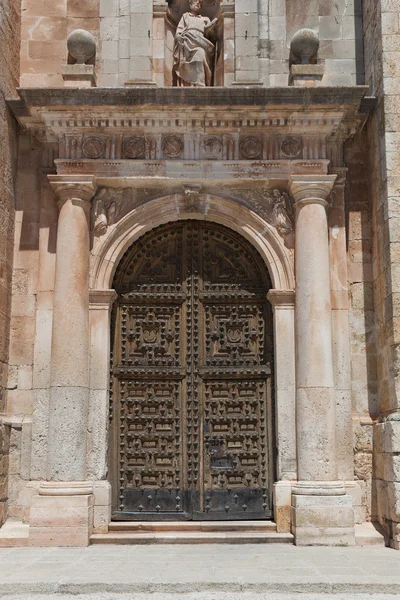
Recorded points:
110,248
106,254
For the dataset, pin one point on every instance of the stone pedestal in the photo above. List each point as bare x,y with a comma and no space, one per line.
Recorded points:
62,514
306,75
81,76
319,498
322,514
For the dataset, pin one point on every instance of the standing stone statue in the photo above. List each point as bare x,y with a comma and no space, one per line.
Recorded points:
193,52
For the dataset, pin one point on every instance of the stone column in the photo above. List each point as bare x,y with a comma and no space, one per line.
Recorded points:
318,497
69,375
283,302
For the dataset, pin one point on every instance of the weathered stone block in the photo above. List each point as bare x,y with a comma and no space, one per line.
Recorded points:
391,436
323,517
324,536
66,537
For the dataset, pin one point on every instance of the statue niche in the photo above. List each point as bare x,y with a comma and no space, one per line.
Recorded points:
194,53
197,53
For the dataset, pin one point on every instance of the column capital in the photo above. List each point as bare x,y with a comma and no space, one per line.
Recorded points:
102,299
282,299
78,187
306,189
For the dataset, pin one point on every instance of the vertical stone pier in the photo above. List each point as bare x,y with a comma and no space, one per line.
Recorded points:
322,513
62,513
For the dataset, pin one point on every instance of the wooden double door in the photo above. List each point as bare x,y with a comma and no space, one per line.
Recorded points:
191,434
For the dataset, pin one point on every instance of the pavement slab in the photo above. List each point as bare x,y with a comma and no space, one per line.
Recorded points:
206,596
206,572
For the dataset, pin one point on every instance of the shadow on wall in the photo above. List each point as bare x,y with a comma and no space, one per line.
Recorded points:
364,374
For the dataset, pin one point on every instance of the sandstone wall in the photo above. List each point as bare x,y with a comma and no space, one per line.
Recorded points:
134,42
382,54
339,27
9,74
46,25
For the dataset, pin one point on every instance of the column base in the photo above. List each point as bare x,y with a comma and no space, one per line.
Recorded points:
62,514
322,514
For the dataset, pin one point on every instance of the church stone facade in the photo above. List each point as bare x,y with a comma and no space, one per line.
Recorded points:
199,267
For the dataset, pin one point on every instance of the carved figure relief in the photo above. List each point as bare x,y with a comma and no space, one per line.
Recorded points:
191,373
194,53
109,205
192,197
275,206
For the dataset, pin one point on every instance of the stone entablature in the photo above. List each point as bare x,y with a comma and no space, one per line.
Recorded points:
282,112
143,127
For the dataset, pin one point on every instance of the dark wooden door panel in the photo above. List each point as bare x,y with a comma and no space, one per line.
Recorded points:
191,378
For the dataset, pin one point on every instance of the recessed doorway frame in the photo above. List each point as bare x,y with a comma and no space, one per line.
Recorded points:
105,256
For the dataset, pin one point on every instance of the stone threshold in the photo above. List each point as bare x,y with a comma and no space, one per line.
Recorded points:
15,534
192,532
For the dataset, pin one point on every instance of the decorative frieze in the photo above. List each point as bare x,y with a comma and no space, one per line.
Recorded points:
191,146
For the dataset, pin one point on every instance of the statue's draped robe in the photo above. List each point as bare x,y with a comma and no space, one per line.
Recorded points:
193,52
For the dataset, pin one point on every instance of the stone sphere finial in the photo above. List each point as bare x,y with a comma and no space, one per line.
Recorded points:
81,45
304,45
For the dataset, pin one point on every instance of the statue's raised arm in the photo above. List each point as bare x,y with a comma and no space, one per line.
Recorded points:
193,52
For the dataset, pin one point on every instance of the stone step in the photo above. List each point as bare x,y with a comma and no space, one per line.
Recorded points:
14,534
193,526
192,537
369,534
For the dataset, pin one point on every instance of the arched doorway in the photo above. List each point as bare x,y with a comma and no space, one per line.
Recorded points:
191,434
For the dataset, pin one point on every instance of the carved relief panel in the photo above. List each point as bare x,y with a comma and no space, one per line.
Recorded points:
191,377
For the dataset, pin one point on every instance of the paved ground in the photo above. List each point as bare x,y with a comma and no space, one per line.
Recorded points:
199,572
207,596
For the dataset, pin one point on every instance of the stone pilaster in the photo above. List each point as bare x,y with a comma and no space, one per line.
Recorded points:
100,306
283,302
322,512
247,69
341,328
69,374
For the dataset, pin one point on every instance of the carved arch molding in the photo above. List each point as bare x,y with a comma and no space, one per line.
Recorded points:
191,409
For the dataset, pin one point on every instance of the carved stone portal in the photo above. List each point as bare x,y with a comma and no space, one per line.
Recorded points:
192,379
